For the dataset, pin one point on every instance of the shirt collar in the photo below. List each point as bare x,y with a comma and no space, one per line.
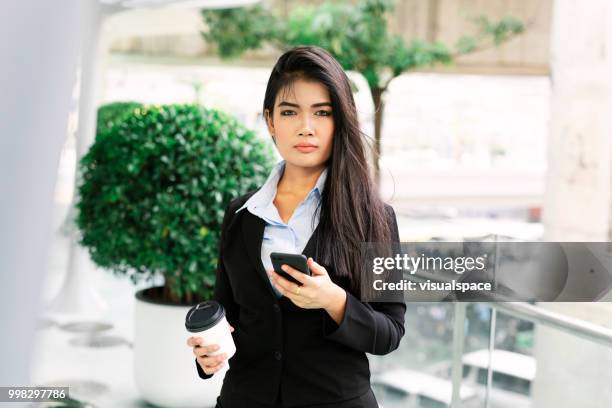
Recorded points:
267,192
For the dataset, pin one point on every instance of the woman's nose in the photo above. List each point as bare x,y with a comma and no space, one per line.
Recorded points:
306,128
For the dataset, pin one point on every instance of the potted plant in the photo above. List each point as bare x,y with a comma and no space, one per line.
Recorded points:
151,198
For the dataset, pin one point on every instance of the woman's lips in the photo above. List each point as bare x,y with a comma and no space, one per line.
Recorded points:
305,148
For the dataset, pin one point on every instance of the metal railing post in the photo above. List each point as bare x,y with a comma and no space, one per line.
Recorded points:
458,343
492,327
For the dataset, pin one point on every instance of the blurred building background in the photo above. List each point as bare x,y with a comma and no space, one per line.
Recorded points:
430,20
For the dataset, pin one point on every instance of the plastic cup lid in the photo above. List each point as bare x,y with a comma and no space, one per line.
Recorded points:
204,315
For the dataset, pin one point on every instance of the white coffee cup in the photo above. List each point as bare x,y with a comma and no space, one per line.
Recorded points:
207,321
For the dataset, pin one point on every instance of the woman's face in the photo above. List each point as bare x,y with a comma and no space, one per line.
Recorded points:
303,124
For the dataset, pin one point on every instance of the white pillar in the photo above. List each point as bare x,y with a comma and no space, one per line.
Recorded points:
39,43
577,204
573,372
77,295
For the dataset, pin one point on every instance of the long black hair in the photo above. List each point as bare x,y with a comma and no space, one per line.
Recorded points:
351,211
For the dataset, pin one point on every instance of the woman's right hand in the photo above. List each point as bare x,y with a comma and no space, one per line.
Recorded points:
209,364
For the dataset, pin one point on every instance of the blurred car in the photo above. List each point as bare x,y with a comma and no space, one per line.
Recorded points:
512,376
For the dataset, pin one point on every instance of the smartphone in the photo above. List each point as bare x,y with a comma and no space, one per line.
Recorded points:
296,261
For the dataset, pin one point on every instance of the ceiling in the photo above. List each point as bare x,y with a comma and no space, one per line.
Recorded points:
200,4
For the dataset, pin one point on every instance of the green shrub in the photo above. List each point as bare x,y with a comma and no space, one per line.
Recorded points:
153,189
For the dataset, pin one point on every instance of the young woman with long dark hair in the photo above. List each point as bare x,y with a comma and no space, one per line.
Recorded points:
304,345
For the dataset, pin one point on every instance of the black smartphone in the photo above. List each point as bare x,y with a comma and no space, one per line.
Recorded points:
296,261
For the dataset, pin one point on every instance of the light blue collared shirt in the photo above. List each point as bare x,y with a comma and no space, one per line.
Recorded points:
278,236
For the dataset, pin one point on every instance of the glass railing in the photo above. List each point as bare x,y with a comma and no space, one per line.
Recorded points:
499,355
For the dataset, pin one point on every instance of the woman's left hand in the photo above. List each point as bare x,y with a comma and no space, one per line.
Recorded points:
317,291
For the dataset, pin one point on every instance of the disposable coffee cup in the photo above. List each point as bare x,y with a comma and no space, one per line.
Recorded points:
207,321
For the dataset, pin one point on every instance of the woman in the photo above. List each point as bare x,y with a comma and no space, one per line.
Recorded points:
303,345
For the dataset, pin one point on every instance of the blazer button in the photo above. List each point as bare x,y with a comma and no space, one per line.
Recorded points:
278,355
276,307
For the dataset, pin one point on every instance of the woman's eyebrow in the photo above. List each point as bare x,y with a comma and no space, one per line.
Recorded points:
314,105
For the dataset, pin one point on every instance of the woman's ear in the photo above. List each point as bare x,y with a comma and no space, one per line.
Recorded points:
270,124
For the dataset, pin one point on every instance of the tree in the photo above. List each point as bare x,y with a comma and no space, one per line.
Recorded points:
357,36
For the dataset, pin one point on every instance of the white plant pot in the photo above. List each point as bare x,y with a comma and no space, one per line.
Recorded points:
164,366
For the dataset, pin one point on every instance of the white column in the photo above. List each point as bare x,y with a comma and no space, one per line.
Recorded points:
77,295
577,203
573,372
39,43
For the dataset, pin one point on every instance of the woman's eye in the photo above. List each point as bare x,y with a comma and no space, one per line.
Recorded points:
318,113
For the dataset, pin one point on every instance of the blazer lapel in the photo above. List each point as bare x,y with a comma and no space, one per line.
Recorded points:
309,248
252,231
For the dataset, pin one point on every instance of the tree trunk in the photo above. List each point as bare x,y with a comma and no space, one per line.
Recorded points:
379,106
168,293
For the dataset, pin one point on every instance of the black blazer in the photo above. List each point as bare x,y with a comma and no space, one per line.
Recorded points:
282,348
